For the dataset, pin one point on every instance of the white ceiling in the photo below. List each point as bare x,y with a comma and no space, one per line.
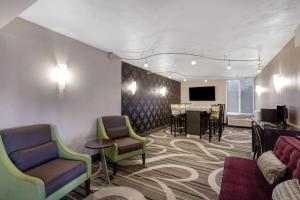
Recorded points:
239,29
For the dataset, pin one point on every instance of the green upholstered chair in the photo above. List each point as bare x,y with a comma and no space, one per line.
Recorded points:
36,165
127,143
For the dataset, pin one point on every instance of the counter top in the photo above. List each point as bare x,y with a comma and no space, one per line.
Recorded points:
197,109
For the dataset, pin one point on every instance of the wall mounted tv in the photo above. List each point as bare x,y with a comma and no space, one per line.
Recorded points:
202,93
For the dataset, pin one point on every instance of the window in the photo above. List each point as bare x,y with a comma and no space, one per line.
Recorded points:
240,96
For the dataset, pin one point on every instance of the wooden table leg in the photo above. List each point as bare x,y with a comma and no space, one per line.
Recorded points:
104,166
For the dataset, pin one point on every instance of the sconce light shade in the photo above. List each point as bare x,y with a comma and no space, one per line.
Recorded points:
278,82
259,90
163,91
61,75
132,87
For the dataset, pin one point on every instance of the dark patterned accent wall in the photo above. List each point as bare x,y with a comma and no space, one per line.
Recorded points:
147,109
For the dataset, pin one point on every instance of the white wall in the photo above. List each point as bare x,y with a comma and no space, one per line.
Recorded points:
9,9
220,88
29,96
287,64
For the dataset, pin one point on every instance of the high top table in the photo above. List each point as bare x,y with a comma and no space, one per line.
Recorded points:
101,145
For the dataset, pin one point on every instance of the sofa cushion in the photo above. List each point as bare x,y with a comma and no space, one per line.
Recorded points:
242,179
57,173
31,157
289,190
113,121
117,132
271,167
24,137
287,149
127,144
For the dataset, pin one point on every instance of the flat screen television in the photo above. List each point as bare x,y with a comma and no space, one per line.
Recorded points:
202,93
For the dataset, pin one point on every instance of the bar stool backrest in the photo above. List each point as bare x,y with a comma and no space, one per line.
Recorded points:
175,109
215,111
182,108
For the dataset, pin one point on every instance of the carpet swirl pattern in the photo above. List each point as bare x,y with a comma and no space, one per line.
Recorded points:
182,168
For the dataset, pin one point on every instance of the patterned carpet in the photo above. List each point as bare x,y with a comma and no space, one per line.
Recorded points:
182,168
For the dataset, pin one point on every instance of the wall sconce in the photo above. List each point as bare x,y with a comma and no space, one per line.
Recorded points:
279,82
61,75
132,87
163,91
259,90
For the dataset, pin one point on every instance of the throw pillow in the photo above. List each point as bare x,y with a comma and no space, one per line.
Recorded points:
271,167
287,190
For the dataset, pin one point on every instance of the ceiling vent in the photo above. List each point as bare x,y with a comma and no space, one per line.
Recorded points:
297,36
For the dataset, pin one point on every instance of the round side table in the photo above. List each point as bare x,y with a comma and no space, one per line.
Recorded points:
101,145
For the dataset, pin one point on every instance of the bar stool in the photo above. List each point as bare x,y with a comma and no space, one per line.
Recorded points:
178,123
204,123
215,121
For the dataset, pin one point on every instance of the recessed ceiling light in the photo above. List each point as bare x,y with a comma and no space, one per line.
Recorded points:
193,62
169,76
258,71
146,65
184,80
205,81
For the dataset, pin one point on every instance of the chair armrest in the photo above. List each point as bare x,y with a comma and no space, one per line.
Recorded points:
132,134
101,133
65,152
15,184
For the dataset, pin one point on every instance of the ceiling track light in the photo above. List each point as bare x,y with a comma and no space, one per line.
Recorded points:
259,68
193,76
193,62
228,66
146,64
142,57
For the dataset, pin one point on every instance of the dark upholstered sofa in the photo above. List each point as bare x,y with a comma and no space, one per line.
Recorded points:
242,179
36,165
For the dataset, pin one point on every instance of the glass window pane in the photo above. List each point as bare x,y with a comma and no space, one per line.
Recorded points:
233,96
246,96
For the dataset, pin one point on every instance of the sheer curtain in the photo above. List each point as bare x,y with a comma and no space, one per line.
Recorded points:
240,96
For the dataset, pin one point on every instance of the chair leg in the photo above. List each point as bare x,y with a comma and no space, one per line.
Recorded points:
200,134
210,132
255,152
144,159
185,129
115,168
220,132
88,187
171,124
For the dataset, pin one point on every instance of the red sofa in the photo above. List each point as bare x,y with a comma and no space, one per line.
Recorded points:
242,179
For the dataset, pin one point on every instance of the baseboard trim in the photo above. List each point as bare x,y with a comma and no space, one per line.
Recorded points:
239,126
154,130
